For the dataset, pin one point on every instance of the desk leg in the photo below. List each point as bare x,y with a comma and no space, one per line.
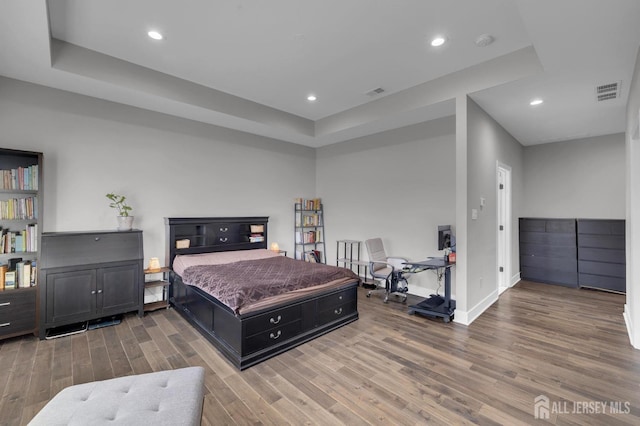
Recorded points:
444,310
447,287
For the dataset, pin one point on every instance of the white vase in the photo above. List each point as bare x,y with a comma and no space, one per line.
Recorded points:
125,223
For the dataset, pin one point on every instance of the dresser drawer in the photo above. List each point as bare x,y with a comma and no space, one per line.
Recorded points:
17,311
336,299
272,320
272,337
69,249
337,312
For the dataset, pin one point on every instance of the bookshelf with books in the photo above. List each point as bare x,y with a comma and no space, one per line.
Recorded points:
20,226
309,230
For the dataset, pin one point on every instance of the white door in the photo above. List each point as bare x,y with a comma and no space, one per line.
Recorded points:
504,226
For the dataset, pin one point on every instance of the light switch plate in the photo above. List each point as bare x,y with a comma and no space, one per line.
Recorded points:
474,214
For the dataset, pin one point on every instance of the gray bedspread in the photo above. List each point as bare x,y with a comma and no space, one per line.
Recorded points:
243,283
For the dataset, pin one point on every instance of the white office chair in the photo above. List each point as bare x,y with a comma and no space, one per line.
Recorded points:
387,269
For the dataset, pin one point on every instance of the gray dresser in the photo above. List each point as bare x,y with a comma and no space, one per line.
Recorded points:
601,254
89,275
548,252
574,252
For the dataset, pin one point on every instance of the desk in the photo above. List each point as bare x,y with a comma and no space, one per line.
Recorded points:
436,306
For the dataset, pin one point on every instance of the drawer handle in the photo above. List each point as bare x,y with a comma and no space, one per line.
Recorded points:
337,311
275,336
6,324
97,238
340,297
275,321
5,304
224,229
99,291
223,240
93,292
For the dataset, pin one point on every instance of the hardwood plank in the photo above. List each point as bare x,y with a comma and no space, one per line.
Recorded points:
388,367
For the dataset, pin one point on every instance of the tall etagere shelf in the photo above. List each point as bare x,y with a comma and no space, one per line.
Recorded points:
309,230
21,224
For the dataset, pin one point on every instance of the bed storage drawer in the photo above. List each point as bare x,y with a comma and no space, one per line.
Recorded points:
272,337
338,298
337,312
272,320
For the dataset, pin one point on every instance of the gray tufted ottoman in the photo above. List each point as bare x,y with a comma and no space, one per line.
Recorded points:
172,397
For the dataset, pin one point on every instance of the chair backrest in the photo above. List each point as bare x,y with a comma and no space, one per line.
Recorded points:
375,250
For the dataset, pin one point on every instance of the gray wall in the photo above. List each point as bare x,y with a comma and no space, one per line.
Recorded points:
487,144
398,185
166,166
577,178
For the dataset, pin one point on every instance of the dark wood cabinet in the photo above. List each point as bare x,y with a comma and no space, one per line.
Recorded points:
89,275
17,312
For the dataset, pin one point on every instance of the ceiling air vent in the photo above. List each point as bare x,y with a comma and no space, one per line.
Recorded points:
608,91
375,91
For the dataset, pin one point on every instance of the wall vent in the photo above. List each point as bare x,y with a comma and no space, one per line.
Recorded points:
375,91
608,91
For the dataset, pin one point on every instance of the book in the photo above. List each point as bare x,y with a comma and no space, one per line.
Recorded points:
34,274
26,275
10,280
3,270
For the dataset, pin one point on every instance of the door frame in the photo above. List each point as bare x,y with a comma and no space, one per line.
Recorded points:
504,217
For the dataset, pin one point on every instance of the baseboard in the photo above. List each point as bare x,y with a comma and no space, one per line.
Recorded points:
515,279
467,317
629,324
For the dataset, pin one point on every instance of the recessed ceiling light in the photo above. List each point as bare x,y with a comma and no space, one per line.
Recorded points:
536,102
155,35
438,41
311,98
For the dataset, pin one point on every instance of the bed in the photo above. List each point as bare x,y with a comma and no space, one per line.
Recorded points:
248,329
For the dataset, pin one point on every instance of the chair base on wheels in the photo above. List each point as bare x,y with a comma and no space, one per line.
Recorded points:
397,286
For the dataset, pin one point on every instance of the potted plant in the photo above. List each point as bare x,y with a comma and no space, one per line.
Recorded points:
125,222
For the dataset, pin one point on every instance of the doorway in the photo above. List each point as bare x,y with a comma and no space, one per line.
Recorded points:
504,226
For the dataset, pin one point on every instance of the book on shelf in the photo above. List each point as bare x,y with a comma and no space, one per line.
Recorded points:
308,204
19,241
313,256
10,280
308,237
256,238
21,178
20,275
19,208
3,270
34,274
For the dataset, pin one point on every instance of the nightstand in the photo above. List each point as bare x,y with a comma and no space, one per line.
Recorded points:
156,283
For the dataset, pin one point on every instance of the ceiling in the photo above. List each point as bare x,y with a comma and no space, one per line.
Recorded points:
250,64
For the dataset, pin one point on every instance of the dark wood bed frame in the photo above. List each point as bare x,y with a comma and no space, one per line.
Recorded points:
254,337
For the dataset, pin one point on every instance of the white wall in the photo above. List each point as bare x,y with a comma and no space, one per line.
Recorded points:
578,178
487,144
398,185
166,166
632,142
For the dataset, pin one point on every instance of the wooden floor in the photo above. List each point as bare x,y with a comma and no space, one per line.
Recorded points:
386,368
